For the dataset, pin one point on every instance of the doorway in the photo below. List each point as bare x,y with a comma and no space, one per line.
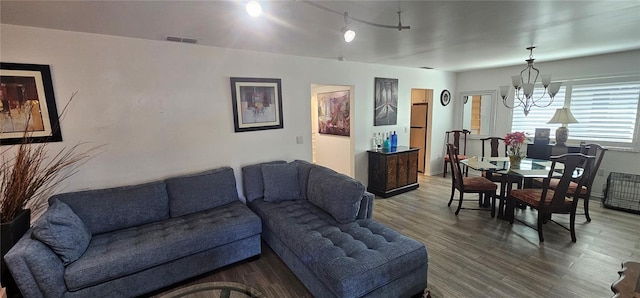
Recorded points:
332,141
420,135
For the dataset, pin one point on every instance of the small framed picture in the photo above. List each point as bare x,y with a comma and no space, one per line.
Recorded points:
542,136
257,104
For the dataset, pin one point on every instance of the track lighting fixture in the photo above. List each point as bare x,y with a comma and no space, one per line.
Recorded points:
348,34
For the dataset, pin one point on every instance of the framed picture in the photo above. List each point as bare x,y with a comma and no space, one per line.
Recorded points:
386,102
333,113
27,104
542,136
445,97
257,103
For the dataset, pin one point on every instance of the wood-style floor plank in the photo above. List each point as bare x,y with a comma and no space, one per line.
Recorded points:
474,255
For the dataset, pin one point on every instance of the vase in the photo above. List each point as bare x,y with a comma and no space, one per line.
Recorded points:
12,232
514,162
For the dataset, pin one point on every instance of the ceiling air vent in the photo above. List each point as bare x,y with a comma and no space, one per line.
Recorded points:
182,39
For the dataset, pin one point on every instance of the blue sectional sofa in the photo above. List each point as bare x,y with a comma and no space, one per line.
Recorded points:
319,223
131,240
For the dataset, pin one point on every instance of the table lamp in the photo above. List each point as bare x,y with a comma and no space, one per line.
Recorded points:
562,116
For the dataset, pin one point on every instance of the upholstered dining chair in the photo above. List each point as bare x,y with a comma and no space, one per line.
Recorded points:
475,184
592,150
457,136
492,146
548,201
496,147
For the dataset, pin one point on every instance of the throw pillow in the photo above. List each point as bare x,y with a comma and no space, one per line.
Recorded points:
63,231
338,194
280,182
252,181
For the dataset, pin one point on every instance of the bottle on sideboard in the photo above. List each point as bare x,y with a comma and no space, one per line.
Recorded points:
394,140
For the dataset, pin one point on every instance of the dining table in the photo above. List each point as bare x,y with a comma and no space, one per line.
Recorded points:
529,169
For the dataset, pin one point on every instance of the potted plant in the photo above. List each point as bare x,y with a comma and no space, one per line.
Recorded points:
514,142
27,178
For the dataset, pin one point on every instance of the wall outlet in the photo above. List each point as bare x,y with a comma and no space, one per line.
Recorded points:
299,140
600,172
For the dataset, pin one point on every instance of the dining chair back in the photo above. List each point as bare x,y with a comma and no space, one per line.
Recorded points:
548,201
455,137
479,185
596,151
493,144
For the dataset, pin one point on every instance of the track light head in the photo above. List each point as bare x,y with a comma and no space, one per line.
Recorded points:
254,8
348,34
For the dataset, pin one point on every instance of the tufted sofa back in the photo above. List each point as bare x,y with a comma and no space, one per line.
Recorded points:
110,209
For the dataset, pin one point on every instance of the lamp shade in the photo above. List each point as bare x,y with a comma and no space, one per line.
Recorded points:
562,116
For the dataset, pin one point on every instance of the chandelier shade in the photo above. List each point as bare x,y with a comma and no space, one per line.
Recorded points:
524,88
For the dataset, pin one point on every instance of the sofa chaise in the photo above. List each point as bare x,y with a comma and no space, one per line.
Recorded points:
131,240
319,223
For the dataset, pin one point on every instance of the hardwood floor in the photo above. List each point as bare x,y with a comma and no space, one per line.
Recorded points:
474,255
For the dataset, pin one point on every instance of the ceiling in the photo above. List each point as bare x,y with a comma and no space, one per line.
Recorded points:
444,35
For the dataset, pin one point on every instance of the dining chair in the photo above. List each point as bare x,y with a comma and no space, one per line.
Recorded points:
548,201
456,135
475,184
585,193
492,147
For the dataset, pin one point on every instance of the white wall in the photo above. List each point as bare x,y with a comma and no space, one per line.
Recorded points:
332,151
625,63
164,108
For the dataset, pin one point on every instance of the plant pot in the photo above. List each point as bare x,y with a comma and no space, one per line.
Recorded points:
12,232
514,162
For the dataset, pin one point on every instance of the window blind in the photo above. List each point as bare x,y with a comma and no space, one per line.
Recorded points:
538,116
605,112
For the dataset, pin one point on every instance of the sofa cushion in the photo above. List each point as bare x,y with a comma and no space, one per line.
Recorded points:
303,175
110,209
201,191
124,252
281,182
252,181
63,231
336,193
350,259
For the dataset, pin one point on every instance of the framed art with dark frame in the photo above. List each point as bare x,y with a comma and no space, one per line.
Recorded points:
257,104
386,102
27,104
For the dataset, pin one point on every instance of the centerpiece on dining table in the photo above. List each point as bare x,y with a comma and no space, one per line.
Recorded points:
514,142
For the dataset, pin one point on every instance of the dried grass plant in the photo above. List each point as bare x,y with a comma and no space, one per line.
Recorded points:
32,174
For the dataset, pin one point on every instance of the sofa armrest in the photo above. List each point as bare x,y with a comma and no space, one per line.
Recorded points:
37,270
366,206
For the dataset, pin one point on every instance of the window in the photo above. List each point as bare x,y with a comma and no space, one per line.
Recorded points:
538,117
606,112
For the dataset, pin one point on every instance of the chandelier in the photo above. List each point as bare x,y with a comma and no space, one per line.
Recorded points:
524,88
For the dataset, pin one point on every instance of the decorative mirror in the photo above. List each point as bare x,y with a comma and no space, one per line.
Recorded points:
478,113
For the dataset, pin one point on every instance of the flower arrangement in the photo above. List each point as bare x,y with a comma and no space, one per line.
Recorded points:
514,141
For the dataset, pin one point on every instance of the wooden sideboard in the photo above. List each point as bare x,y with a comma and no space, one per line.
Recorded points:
545,151
392,172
